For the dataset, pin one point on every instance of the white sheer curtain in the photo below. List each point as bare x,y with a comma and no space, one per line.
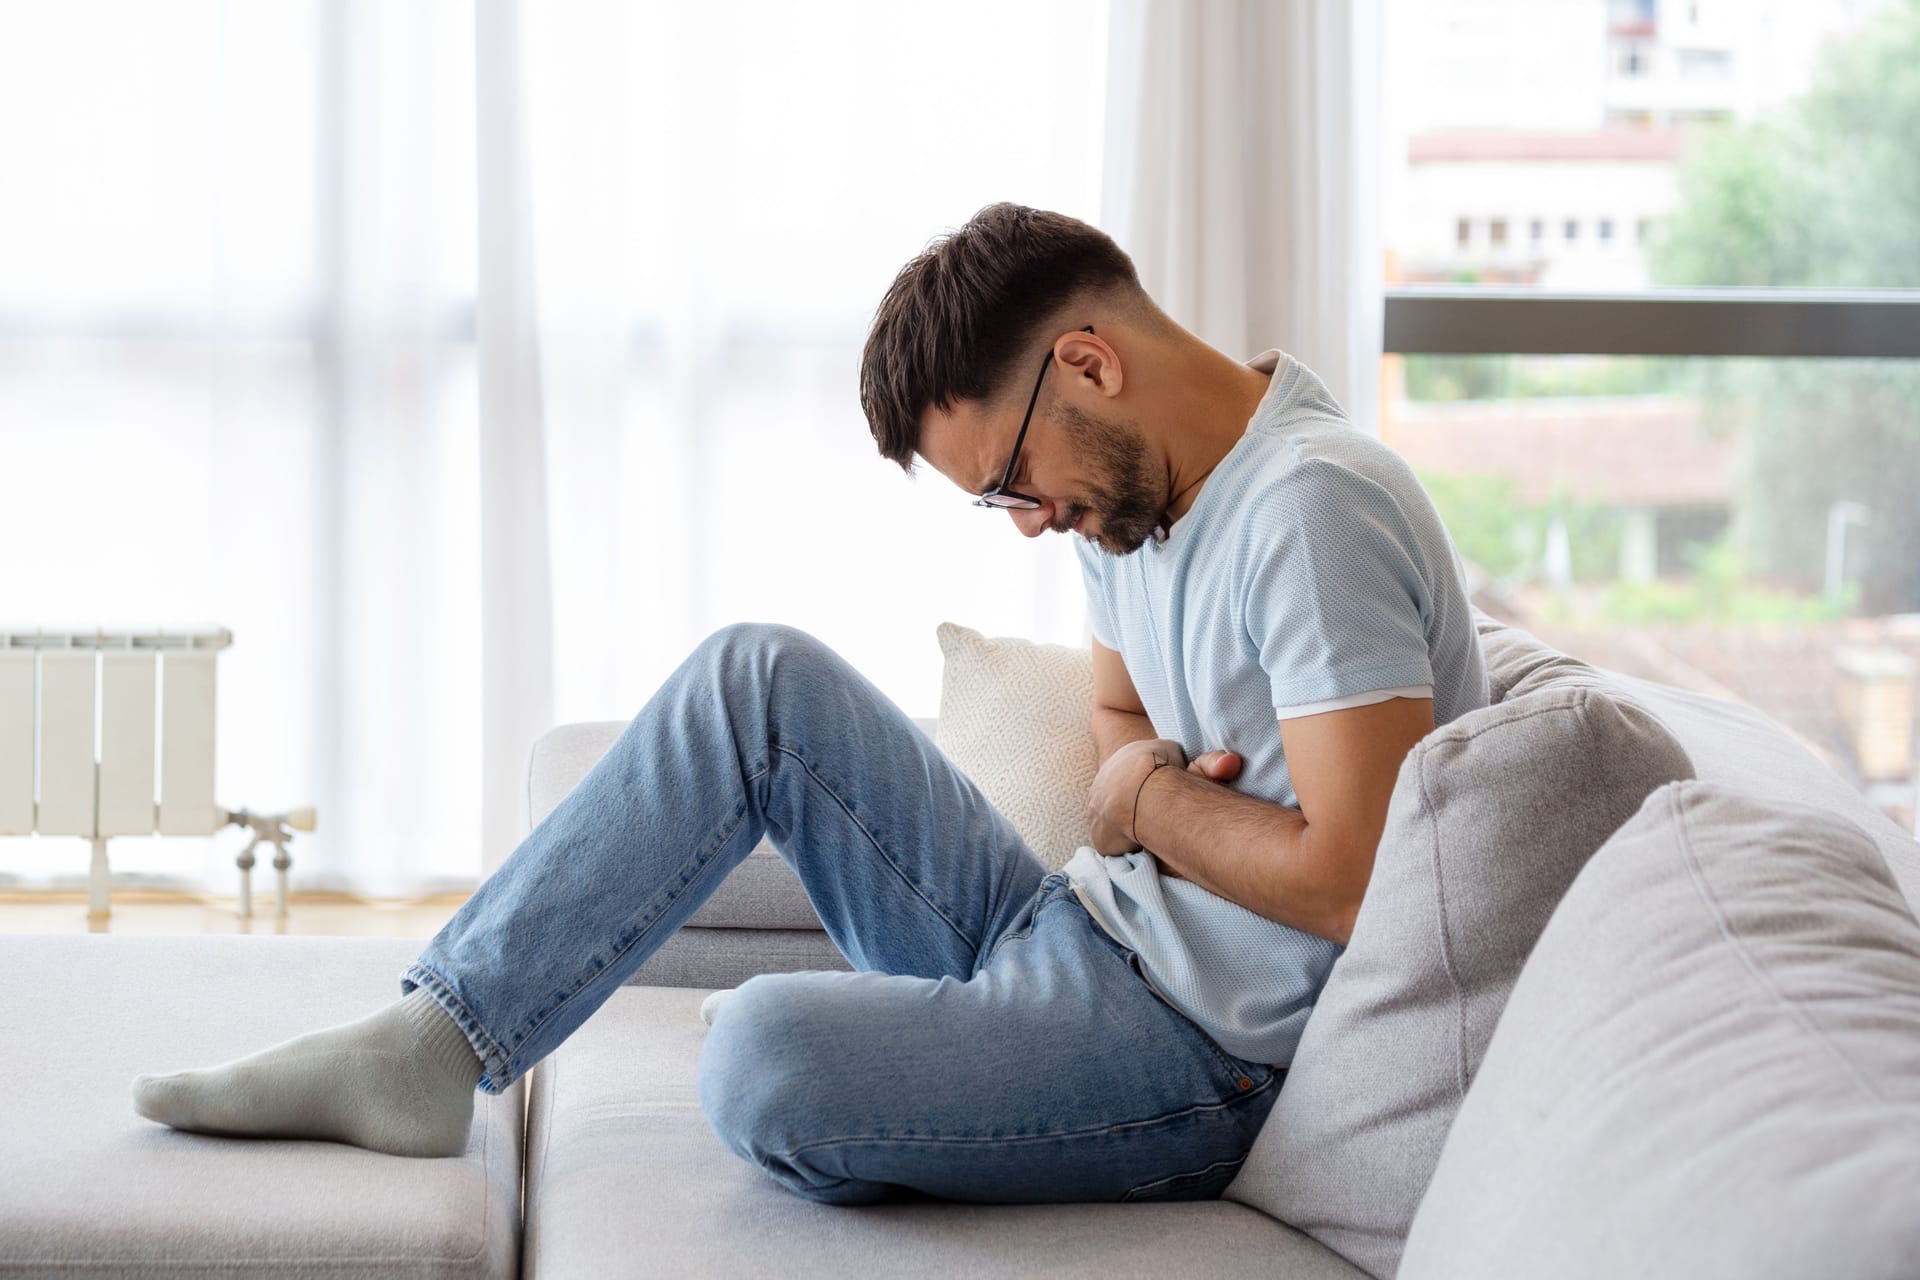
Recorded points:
255,257
1243,174
237,387
720,195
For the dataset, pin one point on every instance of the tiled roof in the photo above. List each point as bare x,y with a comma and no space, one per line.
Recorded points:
1626,450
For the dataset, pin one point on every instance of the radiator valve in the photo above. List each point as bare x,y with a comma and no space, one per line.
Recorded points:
276,829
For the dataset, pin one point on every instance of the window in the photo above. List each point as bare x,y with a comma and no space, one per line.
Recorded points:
221,191
1741,525
1537,230
118,342
1463,232
1497,233
1724,498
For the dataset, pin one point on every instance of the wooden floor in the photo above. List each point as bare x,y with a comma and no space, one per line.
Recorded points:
136,912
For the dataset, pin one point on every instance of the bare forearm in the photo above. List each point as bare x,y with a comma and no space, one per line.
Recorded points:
1259,855
1115,729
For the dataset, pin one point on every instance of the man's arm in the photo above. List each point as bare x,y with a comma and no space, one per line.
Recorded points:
1305,867
1119,717
1120,721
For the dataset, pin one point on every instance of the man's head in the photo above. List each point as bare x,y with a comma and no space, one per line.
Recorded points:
962,335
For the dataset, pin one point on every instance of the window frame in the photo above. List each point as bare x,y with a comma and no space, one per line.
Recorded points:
1783,323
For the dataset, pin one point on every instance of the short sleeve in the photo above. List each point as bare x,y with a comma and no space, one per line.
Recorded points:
1335,601
1098,619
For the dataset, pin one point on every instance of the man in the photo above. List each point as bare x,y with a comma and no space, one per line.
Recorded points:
1278,617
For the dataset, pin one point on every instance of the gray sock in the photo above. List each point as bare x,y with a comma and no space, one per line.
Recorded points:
399,1081
711,1005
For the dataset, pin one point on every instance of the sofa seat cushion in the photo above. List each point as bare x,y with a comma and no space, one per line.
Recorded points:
624,1176
89,1186
1492,816
1710,1068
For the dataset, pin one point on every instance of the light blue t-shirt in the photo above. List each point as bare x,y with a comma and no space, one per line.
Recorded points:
1311,573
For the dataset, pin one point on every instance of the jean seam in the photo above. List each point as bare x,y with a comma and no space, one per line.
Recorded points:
701,862
1043,897
490,1051
1195,1174
878,847
1198,1110
1235,1071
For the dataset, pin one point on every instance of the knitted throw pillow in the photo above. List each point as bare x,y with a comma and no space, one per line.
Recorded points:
1015,717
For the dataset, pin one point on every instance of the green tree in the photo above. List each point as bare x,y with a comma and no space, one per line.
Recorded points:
1825,193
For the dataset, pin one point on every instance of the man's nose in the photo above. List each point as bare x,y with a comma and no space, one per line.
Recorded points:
1032,521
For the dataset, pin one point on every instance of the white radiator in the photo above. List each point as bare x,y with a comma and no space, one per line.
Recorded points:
108,733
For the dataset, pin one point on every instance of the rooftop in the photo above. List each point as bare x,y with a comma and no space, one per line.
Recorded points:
1653,451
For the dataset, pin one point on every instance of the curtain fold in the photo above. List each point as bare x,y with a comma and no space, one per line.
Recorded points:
673,286
1243,175
391,607
516,637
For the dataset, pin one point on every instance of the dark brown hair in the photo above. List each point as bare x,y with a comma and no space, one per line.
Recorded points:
964,315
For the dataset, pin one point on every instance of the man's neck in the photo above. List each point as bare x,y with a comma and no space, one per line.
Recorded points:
1218,398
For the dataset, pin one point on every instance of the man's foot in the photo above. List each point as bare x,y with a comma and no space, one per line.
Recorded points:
399,1081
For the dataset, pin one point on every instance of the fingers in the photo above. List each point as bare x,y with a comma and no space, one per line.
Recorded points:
1218,766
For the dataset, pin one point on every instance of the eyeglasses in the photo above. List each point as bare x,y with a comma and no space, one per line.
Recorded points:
1000,496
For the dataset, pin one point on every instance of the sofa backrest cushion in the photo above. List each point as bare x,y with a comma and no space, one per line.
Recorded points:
1017,718
1738,745
1491,818
1711,1066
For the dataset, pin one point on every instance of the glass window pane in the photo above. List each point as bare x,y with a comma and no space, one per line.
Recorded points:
1768,142
1742,527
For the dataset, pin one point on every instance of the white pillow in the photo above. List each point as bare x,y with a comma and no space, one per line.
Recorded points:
1015,717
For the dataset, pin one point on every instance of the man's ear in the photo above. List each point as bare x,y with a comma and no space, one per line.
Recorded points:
1090,360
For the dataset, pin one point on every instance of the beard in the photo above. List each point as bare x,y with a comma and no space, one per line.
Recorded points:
1126,495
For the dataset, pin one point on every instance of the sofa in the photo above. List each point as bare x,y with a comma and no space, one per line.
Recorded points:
1635,990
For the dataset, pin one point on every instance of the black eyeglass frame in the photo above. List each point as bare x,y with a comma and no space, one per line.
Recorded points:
1001,498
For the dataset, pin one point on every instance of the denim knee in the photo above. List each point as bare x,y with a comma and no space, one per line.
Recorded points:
765,1082
754,642
752,1063
775,666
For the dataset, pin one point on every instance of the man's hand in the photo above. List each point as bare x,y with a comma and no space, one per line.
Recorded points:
1216,766
1116,790
1114,800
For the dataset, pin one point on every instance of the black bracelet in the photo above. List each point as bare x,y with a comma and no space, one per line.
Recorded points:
1133,824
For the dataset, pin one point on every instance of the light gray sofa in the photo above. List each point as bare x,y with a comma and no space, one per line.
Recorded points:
1710,1065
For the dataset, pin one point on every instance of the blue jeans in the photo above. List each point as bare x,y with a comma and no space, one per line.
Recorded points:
995,1045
